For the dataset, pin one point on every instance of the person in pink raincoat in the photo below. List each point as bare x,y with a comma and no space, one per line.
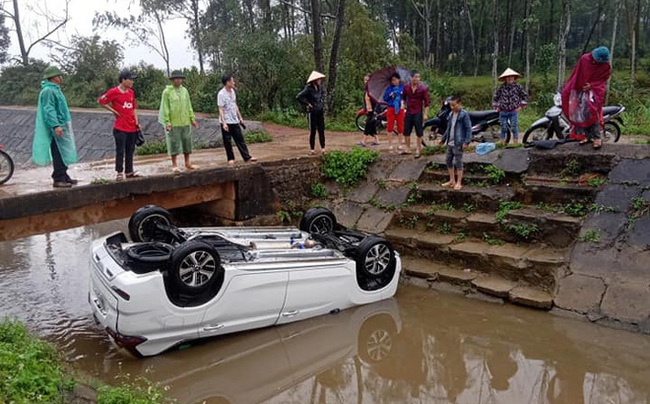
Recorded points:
583,96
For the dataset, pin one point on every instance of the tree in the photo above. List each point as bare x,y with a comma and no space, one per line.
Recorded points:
317,31
334,55
565,26
4,40
50,21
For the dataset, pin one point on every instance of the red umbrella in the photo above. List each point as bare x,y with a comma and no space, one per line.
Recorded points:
380,80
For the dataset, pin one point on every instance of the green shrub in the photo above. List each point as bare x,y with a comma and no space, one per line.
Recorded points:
523,230
495,174
591,236
348,168
319,190
504,208
139,391
30,369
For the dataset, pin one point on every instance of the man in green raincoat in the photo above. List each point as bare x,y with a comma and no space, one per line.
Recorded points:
176,115
53,136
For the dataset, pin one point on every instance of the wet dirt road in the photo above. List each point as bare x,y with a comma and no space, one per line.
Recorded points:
422,347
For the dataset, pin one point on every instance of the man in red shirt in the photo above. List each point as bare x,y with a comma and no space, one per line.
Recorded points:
417,101
121,102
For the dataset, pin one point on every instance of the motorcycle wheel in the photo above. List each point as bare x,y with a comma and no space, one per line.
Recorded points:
611,132
535,133
6,167
435,133
492,134
361,122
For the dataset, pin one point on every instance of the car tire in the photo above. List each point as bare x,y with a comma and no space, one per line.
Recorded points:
195,267
319,221
144,225
149,256
377,338
375,257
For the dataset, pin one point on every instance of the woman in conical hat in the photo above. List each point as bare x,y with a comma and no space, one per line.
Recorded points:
509,99
313,98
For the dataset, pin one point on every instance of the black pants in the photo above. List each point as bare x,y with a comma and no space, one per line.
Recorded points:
413,121
124,149
371,124
60,173
234,133
316,123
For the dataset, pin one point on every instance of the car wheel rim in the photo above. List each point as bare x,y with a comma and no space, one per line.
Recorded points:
321,225
149,226
377,259
197,269
379,345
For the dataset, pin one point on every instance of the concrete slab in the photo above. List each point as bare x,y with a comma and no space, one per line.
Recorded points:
393,196
470,249
531,297
402,236
364,192
639,235
462,277
433,240
494,285
631,171
348,213
547,256
618,196
374,220
627,301
408,170
580,293
482,219
420,268
608,225
513,160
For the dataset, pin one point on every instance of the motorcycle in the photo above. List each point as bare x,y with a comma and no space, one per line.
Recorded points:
554,123
6,166
485,124
381,111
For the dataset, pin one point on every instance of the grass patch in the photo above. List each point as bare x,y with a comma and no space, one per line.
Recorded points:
462,236
504,208
591,236
348,168
444,228
572,169
160,147
382,184
383,206
136,390
432,150
409,222
596,182
523,230
258,137
100,181
492,240
468,207
496,175
319,191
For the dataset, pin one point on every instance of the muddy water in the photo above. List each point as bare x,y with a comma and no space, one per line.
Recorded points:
422,347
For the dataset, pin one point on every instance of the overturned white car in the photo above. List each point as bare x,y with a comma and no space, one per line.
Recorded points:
172,285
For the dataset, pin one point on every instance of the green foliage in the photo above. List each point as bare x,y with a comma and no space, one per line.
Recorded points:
381,183
640,207
523,230
504,208
468,207
409,221
319,190
462,236
383,206
132,391
492,240
100,181
448,206
4,40
596,182
149,85
598,208
258,137
431,150
591,236
496,174
445,228
30,369
414,194
348,168
575,209
20,85
572,169
284,216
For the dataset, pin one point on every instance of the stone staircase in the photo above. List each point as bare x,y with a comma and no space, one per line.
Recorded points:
507,235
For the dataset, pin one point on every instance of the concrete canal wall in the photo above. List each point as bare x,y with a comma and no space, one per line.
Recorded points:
93,132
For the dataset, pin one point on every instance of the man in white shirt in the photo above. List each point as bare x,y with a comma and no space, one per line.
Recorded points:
231,121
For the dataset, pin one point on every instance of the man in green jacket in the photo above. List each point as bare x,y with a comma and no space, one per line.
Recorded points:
176,115
53,136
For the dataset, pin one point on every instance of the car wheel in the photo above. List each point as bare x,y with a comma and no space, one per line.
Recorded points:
151,223
375,257
318,221
149,255
377,339
195,266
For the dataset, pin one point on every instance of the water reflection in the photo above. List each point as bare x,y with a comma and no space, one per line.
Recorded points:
422,347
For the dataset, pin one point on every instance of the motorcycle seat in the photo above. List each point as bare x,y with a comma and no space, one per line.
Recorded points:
611,109
483,115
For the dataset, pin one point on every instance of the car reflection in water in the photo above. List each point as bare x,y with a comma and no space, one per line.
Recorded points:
255,366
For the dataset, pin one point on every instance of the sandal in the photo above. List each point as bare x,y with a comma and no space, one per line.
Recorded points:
251,160
448,184
192,167
134,174
598,144
458,187
119,177
231,162
176,170
417,156
361,144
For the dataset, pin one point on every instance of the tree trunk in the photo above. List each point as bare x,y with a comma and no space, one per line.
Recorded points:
527,24
495,51
471,32
599,12
198,38
24,55
334,56
617,11
318,35
564,32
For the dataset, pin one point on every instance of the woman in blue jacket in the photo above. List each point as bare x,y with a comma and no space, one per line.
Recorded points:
396,110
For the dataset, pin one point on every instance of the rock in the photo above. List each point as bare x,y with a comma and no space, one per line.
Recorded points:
580,293
348,213
392,196
586,259
420,268
364,192
494,285
639,235
513,161
627,301
631,171
617,196
531,297
408,170
456,276
402,237
608,225
431,240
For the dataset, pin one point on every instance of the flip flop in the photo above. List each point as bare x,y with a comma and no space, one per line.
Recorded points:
176,170
583,142
417,155
374,144
119,177
134,174
231,162
252,160
448,184
192,167
598,144
361,144
458,187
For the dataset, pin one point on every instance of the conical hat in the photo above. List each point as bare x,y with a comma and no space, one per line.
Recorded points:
509,72
315,76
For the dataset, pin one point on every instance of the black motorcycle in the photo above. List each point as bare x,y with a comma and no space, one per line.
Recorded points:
485,124
554,123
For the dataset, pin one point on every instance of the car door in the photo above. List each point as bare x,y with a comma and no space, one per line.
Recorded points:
252,299
316,289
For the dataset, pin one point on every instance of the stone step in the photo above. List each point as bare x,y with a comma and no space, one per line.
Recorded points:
516,262
441,176
481,198
472,280
556,192
527,225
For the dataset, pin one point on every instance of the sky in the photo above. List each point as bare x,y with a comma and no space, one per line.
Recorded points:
81,16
